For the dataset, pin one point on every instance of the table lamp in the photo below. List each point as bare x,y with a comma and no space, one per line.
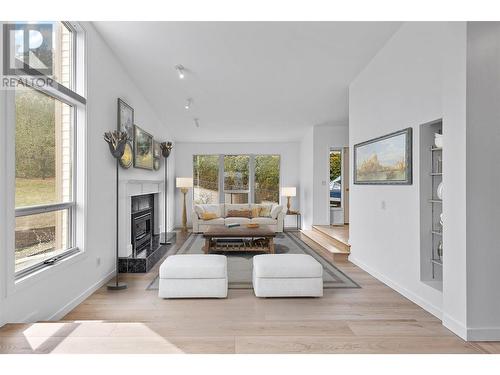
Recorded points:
288,192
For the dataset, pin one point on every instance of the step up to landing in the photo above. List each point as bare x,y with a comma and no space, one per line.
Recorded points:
326,247
339,236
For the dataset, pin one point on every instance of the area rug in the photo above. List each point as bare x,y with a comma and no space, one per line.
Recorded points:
240,264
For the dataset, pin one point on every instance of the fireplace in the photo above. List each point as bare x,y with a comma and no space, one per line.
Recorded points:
142,223
141,214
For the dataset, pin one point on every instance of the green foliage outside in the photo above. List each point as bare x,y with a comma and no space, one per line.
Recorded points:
236,174
267,178
206,171
335,165
236,170
35,141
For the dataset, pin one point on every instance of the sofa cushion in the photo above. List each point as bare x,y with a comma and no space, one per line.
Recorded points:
286,266
255,210
239,213
218,209
218,221
237,220
209,215
265,210
194,266
264,221
232,207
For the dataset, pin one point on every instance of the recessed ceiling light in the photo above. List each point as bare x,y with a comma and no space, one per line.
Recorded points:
180,71
197,122
189,101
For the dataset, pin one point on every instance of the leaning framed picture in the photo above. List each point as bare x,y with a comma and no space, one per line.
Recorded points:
143,149
126,119
385,160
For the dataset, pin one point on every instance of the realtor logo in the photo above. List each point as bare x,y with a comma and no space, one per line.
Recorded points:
29,48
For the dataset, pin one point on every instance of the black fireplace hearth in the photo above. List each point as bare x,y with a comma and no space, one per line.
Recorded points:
146,248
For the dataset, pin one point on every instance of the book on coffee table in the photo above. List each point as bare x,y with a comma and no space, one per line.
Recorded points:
232,225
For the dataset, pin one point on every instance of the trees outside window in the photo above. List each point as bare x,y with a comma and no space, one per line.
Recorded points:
243,178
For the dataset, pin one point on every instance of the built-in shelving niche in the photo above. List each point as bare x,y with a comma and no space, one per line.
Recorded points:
431,174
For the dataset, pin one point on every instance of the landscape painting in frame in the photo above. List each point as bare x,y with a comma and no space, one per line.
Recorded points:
384,160
126,119
143,149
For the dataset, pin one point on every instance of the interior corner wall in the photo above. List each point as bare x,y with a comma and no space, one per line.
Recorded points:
289,174
325,137
483,180
307,178
56,292
315,171
406,85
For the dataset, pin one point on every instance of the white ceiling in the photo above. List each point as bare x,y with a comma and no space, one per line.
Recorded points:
250,81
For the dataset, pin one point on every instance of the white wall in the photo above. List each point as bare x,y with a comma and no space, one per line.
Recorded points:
315,171
483,180
289,171
325,137
307,178
55,291
417,77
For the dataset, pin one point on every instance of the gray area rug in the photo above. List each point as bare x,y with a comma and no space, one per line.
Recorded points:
240,264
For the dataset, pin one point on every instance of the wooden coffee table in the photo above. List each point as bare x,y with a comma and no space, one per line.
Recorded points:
221,238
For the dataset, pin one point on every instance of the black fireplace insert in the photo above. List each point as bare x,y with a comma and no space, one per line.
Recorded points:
142,223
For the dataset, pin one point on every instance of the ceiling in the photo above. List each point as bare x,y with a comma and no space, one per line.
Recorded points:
250,81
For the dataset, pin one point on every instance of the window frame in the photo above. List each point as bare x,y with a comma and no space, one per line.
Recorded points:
76,100
251,176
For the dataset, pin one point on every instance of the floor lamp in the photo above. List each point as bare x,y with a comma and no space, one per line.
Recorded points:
184,184
116,141
166,148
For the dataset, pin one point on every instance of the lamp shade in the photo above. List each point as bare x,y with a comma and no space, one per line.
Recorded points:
184,182
289,191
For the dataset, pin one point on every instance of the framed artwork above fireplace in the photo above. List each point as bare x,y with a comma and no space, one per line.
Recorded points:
143,149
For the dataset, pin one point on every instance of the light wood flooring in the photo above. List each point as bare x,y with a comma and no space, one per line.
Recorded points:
373,319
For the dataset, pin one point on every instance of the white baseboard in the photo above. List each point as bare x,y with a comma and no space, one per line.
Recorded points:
483,334
455,326
82,297
426,305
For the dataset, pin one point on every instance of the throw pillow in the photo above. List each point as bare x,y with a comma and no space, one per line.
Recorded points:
256,211
265,211
240,213
209,215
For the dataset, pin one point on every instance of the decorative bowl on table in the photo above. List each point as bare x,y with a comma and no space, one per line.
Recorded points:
252,225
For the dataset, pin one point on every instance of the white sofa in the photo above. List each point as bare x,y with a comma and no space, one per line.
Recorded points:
287,275
274,220
193,276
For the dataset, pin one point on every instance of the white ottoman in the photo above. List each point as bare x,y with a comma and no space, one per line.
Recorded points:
287,275
193,276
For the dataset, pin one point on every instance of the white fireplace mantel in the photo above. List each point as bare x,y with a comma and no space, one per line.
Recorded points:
128,189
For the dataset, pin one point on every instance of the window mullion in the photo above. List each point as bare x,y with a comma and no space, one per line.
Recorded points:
40,209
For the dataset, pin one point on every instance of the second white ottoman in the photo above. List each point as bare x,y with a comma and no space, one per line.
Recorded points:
193,276
287,275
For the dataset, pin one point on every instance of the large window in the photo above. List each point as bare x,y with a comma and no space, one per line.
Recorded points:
236,184
206,179
45,139
267,179
242,178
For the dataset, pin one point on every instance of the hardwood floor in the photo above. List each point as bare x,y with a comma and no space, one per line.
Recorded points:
373,319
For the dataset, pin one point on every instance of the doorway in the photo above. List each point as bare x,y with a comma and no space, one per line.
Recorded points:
339,186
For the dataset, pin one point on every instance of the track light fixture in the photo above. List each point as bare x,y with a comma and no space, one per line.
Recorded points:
180,71
188,104
197,122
